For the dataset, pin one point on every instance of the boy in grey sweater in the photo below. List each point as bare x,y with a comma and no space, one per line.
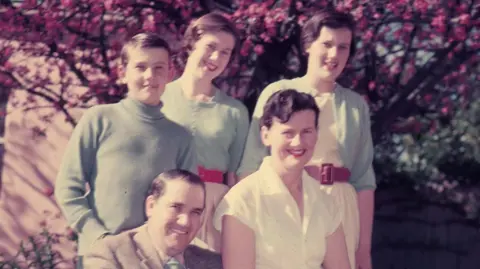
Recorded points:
118,149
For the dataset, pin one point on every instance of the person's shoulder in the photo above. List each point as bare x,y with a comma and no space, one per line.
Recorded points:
98,113
173,128
115,242
352,97
233,105
201,258
247,186
279,85
99,109
171,88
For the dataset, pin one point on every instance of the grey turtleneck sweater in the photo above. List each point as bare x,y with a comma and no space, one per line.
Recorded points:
117,149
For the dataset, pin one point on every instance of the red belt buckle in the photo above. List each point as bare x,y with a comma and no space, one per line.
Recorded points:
207,175
327,174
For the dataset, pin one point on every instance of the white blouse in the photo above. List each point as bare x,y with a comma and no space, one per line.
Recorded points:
282,239
326,149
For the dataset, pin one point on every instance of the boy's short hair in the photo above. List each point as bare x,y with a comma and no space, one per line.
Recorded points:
210,23
145,41
283,104
158,186
330,18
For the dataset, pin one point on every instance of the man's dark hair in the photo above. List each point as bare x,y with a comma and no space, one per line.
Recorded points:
158,186
145,41
330,18
283,104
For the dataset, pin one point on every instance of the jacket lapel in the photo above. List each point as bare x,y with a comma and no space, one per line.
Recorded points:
146,252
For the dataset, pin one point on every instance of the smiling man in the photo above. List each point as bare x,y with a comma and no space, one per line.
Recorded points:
174,207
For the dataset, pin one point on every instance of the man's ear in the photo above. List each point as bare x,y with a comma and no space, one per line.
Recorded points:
121,73
265,136
150,206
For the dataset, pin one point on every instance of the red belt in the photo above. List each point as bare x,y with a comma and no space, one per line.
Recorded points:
207,175
327,174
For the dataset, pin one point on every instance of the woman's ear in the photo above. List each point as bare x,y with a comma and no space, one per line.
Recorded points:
264,134
150,206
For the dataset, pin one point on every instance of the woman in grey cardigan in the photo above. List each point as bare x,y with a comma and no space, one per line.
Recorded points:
342,161
218,122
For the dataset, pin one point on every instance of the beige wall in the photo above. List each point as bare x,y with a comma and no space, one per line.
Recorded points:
30,164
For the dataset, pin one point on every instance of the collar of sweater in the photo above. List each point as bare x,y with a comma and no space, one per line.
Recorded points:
142,110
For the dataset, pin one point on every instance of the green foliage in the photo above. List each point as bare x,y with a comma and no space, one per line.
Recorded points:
440,158
37,252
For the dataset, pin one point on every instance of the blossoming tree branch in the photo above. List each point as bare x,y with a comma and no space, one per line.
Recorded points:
416,58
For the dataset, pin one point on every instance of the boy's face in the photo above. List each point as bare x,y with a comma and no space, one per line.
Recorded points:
211,54
146,74
328,54
176,216
292,143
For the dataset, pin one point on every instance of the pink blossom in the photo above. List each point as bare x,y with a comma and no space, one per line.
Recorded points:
109,4
407,15
29,4
8,65
67,3
186,13
281,17
371,85
265,37
445,110
397,34
262,9
396,69
149,26
298,5
368,35
252,8
408,27
462,89
460,33
48,191
269,22
464,19
462,8
358,13
258,49
244,52
96,8
362,24
302,19
428,98
421,6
